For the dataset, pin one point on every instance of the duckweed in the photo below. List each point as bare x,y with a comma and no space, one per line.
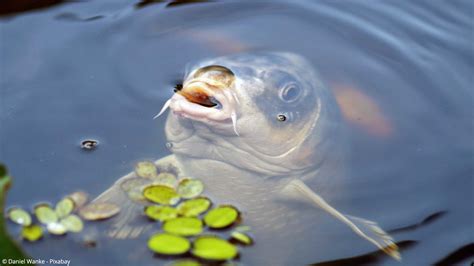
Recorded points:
45,214
161,213
146,169
79,198
194,207
184,226
185,262
242,238
19,216
213,248
165,179
56,228
72,223
134,188
167,244
221,217
64,207
190,188
32,233
99,211
161,194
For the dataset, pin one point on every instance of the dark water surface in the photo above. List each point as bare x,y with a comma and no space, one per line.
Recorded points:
102,69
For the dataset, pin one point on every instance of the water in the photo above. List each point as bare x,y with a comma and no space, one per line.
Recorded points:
102,69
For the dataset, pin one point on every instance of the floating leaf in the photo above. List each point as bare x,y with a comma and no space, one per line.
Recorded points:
167,244
56,228
221,217
99,211
19,216
72,223
134,188
32,232
166,179
146,169
184,226
161,194
185,262
79,198
45,214
213,248
194,207
64,207
161,213
190,188
241,238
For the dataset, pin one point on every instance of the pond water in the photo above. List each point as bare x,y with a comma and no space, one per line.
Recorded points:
400,70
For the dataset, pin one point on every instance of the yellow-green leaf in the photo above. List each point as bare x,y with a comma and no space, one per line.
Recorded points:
214,248
99,211
190,188
168,244
241,238
146,169
19,216
56,228
72,223
32,232
161,213
161,194
194,207
64,207
221,217
185,262
184,226
45,214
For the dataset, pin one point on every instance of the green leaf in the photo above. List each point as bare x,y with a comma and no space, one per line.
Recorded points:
56,228
45,214
99,211
241,238
194,207
167,244
161,194
213,248
72,223
185,262
64,207
161,213
19,216
190,188
221,217
184,226
165,179
146,169
32,232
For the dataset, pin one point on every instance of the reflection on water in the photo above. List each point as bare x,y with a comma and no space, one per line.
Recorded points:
63,81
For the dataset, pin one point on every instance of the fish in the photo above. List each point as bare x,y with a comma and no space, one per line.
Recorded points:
263,132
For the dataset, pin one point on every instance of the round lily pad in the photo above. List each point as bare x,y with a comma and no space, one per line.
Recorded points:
194,207
161,194
79,198
185,262
146,169
32,232
19,216
99,211
184,226
213,248
64,207
56,228
166,179
161,213
72,223
190,188
168,244
134,188
241,238
45,214
221,217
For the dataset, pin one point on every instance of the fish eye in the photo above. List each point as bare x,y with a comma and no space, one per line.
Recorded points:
290,93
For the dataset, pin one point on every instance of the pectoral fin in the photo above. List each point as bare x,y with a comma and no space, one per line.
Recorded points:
368,230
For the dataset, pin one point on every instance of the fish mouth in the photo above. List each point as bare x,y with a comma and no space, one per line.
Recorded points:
205,101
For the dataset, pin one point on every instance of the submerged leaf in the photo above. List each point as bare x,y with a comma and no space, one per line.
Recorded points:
221,217
241,238
45,214
64,207
166,179
99,211
184,226
190,188
161,213
32,232
146,169
79,198
19,216
213,248
72,223
56,228
194,207
161,194
167,244
134,188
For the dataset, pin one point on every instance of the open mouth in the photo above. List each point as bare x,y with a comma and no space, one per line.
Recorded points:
204,100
